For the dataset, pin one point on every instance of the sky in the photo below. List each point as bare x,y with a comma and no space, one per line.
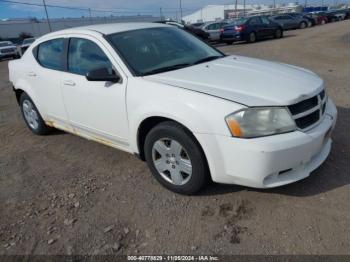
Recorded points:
118,7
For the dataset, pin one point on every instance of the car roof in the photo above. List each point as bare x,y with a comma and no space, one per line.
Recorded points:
113,28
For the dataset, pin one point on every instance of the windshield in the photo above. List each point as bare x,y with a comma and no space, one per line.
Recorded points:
4,44
28,41
155,50
238,21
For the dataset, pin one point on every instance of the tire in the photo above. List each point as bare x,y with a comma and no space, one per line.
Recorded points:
228,42
176,159
252,37
32,116
302,25
278,33
323,22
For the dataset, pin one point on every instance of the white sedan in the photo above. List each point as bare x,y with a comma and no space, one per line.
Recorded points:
191,112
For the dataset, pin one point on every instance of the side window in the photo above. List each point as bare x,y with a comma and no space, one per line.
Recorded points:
265,20
50,54
84,56
254,21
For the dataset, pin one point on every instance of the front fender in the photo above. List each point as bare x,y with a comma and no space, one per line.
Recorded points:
200,113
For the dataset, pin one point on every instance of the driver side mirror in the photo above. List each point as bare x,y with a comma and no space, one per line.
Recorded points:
102,74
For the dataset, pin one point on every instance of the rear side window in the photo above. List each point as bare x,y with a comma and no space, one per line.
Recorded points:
50,54
254,21
84,56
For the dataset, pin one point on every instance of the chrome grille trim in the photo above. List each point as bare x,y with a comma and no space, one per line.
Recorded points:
302,118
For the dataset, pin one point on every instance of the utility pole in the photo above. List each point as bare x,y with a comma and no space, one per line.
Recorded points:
236,15
274,3
161,13
181,11
243,8
47,16
90,15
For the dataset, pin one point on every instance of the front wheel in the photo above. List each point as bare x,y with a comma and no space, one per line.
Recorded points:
175,158
32,116
302,25
278,33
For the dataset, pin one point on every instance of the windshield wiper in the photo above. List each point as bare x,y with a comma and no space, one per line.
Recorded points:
166,69
207,59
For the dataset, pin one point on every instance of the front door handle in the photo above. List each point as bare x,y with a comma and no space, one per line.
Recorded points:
31,74
69,83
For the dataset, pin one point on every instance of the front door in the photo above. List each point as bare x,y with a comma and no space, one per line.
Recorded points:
95,109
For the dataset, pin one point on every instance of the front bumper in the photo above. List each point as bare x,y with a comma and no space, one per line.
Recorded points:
271,161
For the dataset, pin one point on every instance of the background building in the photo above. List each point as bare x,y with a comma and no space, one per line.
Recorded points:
218,12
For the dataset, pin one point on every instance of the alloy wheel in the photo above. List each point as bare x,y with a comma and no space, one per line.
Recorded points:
30,114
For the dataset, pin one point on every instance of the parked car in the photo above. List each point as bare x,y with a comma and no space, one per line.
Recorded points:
190,111
288,22
347,12
339,14
250,29
213,29
8,49
319,18
197,31
310,20
197,24
26,43
331,17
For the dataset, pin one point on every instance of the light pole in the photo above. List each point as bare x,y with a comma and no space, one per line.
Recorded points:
90,16
47,16
181,11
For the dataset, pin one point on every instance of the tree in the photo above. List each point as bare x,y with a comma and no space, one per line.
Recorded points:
25,35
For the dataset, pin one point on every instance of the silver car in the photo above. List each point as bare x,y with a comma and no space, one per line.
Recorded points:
213,29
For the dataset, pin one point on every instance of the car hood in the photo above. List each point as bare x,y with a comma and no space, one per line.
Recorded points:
248,81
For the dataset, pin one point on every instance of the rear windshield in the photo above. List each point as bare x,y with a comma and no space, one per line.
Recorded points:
238,21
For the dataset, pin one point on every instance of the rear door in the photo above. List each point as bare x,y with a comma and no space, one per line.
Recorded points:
95,109
256,25
45,78
214,31
268,27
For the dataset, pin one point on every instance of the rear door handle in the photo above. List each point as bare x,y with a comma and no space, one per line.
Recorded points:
69,83
31,74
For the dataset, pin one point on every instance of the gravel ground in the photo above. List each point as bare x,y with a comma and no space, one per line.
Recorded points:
61,194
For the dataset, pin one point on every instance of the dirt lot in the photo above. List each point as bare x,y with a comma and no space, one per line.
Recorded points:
62,194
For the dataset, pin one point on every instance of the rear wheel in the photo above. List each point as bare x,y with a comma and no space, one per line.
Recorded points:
323,22
175,158
32,116
252,37
302,25
228,42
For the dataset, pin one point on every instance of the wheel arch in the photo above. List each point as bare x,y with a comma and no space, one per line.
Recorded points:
150,122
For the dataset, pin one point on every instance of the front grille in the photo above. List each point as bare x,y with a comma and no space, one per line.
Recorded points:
303,105
7,50
308,120
309,111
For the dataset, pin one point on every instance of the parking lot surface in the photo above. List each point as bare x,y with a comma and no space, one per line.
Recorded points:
61,194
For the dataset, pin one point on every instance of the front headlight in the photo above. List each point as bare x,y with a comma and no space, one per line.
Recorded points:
260,121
